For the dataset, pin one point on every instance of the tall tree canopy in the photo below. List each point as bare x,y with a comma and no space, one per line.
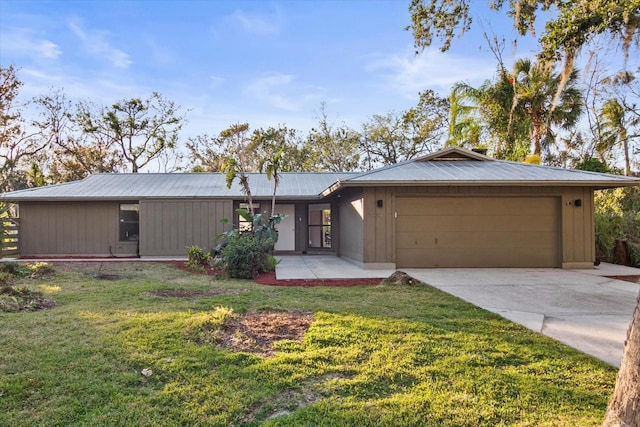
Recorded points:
394,137
140,129
577,22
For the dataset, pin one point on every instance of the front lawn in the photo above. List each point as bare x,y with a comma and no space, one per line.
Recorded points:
148,344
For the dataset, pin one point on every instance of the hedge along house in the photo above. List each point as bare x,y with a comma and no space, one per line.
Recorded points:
452,208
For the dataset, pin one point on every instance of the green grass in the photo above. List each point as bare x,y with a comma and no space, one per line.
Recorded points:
374,356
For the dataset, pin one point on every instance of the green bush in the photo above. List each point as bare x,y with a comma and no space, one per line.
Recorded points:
617,217
15,269
246,256
6,278
41,269
197,257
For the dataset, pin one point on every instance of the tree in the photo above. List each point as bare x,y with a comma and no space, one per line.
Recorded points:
207,153
516,110
267,143
491,116
271,166
464,122
142,130
19,140
73,154
334,148
576,24
615,131
535,88
623,405
238,162
619,116
395,137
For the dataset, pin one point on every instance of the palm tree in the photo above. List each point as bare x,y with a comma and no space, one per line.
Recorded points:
464,123
271,166
233,169
535,87
614,131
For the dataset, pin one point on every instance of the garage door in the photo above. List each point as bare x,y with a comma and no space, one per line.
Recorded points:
477,232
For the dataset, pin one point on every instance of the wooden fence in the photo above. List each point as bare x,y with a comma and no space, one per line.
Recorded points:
9,237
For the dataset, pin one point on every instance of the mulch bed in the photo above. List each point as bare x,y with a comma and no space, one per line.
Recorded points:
632,279
269,279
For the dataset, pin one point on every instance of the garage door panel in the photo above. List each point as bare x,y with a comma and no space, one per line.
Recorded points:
468,223
438,258
477,232
411,206
476,239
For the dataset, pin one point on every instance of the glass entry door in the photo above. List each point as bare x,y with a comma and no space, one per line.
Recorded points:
320,225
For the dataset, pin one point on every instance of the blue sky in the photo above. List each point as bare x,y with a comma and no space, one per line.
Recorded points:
225,62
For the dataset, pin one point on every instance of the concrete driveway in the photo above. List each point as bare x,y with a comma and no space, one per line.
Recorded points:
581,308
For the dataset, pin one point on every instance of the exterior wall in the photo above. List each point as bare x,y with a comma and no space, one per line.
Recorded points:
168,227
379,227
577,238
350,230
578,228
69,228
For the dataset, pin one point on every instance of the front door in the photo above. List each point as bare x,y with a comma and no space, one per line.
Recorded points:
286,228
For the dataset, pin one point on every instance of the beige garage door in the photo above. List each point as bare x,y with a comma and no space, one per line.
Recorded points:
477,232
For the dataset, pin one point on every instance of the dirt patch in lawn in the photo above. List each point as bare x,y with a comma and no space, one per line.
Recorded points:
15,300
188,293
256,331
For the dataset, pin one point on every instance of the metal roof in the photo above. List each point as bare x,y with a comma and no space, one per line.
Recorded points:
456,166
134,186
452,166
473,171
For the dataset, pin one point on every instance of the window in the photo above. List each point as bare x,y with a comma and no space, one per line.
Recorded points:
129,222
243,224
320,225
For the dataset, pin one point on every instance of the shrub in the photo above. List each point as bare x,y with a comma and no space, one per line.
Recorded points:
41,269
197,257
15,269
5,278
244,255
617,218
247,256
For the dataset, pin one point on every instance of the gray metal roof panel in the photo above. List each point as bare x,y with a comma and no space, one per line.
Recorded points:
178,185
480,171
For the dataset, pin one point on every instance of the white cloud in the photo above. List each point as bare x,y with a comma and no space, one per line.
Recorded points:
270,90
96,43
24,42
409,74
265,24
215,81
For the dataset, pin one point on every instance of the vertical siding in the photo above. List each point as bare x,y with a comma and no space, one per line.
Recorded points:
68,228
168,227
350,225
379,225
578,232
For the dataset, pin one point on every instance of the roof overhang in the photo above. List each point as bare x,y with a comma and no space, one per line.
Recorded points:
595,185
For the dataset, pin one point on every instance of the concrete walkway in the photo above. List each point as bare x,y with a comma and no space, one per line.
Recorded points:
581,308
